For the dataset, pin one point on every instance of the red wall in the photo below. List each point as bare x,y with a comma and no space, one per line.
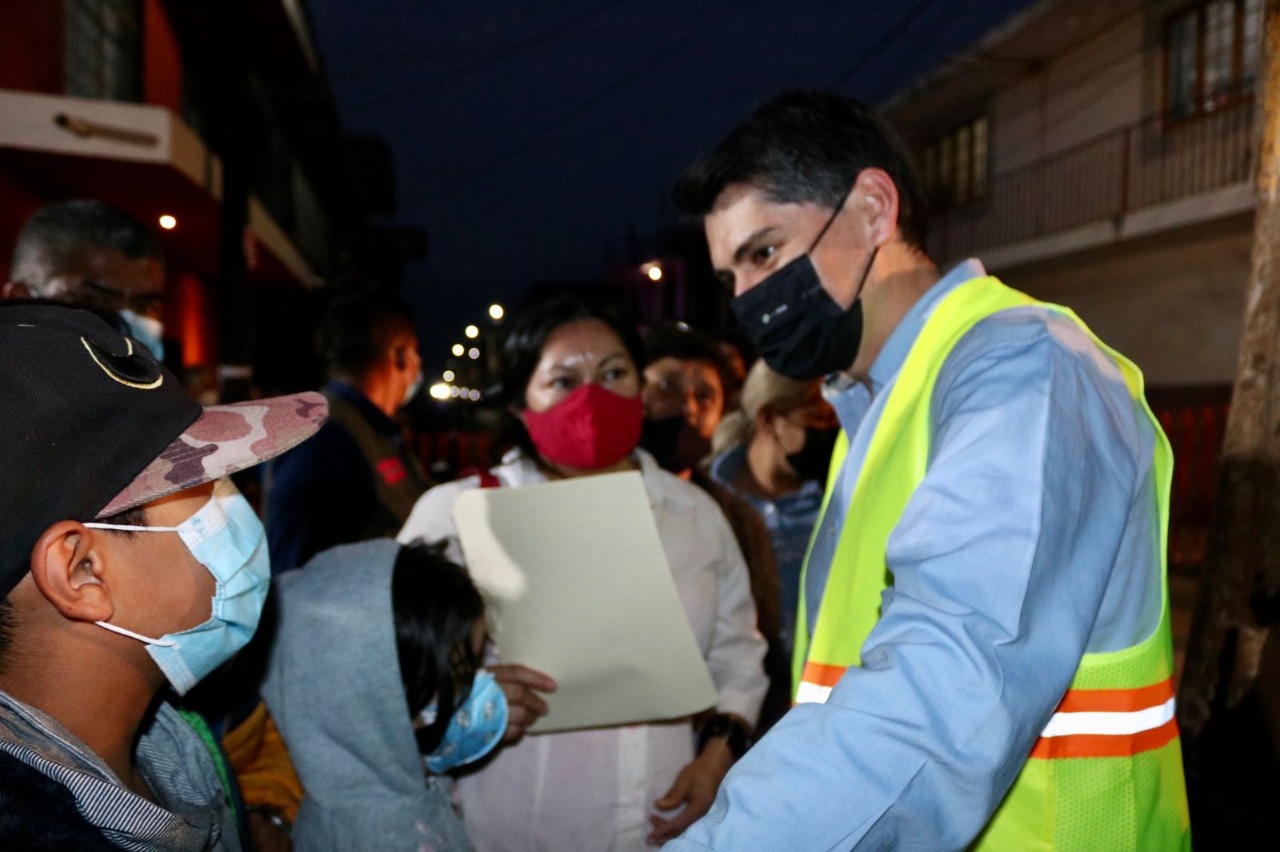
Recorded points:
162,60
32,46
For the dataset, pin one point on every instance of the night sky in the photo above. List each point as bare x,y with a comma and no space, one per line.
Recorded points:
531,138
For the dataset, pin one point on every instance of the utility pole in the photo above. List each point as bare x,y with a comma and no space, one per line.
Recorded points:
1229,701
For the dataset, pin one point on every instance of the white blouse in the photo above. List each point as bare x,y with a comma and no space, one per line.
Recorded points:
594,789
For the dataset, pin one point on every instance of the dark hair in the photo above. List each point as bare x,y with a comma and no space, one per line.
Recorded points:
533,324
434,605
357,329
806,147
679,340
134,517
53,240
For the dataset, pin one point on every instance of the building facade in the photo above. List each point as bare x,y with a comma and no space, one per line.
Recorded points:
212,123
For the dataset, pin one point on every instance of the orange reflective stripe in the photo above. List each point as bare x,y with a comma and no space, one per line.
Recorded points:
1103,745
1101,722
820,674
1115,700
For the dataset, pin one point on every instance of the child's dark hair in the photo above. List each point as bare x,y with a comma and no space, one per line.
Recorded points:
435,606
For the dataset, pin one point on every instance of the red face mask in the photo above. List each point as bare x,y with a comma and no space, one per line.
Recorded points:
589,429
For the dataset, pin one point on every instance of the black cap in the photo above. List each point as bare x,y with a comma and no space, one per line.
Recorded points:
86,410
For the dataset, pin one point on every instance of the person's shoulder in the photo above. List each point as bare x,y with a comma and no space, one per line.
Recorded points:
432,515
331,442
1030,341
39,813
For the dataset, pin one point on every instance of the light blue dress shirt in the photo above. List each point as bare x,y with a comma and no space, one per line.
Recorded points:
1032,539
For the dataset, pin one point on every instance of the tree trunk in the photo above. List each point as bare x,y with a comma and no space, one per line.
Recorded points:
1229,701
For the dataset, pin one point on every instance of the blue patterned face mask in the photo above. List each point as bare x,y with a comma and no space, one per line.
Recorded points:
226,537
476,726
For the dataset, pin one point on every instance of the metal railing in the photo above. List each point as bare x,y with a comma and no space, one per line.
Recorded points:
1151,162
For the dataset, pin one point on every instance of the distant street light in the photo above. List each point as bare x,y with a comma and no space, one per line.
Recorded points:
654,271
458,349
496,312
168,222
439,391
471,332
448,375
473,353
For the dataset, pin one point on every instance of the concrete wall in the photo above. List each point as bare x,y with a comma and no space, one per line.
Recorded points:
1174,303
1087,91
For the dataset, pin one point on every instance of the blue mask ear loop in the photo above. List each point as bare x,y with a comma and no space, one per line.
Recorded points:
146,640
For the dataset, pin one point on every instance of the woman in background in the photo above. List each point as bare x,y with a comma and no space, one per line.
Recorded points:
774,452
572,383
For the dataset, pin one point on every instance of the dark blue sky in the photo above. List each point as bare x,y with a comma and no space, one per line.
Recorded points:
530,136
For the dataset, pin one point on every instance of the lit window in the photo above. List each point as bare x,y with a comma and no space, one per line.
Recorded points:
104,49
1211,56
955,165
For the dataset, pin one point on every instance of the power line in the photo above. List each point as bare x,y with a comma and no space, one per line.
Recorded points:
886,38
563,119
555,31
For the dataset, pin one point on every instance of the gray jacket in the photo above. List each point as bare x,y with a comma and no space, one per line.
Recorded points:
333,687
192,814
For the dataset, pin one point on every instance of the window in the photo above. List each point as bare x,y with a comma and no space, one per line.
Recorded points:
1211,56
955,165
104,49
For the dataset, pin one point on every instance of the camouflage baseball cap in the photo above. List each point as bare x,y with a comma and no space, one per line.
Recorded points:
95,425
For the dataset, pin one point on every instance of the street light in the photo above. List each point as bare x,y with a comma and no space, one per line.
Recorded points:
168,221
496,312
439,391
472,332
654,271
457,350
447,375
473,353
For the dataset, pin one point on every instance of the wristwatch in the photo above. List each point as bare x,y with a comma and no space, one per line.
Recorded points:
722,725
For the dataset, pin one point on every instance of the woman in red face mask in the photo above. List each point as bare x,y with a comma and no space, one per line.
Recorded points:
572,386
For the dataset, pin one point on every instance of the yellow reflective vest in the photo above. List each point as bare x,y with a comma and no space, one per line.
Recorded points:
1106,772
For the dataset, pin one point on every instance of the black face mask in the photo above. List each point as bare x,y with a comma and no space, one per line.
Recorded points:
674,444
814,458
798,328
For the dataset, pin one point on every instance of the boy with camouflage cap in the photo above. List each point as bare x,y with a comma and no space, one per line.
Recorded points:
127,561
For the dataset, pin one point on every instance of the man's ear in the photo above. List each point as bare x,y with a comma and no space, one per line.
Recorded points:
68,567
877,196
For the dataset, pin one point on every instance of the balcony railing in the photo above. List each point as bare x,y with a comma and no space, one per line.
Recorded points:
1146,164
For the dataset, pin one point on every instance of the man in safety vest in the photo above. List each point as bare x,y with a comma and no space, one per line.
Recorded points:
983,656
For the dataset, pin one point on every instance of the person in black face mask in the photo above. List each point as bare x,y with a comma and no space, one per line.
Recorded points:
988,564
686,381
773,451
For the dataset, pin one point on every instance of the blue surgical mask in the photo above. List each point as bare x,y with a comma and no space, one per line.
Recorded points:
146,330
226,537
412,391
476,726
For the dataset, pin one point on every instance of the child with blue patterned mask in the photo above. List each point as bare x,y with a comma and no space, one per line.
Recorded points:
440,638
376,685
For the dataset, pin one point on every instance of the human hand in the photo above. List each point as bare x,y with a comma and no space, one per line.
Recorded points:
267,831
524,705
695,788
